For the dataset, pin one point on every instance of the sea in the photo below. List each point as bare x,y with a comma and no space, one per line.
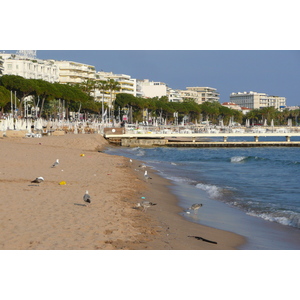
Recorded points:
253,192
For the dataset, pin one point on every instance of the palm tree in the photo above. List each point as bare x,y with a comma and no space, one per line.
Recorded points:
102,86
112,86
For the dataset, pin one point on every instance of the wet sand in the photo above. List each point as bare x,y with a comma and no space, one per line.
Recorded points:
51,216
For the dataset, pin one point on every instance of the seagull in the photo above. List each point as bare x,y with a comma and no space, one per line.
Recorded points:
145,204
87,197
38,180
195,207
55,164
146,176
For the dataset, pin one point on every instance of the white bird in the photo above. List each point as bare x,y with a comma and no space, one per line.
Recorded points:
55,164
145,204
195,207
87,197
146,176
38,180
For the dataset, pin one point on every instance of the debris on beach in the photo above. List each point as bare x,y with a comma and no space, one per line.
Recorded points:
202,239
62,183
82,154
38,180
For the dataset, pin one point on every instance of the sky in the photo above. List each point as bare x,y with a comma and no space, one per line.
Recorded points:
274,72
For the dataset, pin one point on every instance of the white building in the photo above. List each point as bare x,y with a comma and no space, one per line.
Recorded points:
126,83
188,95
254,100
235,106
174,95
74,72
150,89
29,67
204,94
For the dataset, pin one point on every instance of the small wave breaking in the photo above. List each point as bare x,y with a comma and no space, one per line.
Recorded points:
238,159
213,191
287,218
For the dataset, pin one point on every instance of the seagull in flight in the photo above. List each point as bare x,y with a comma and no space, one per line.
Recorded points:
55,164
38,180
145,204
87,197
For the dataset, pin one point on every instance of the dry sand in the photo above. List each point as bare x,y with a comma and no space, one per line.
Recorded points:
52,216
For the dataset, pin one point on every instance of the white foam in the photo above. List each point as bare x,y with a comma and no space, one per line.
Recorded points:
237,159
212,190
289,220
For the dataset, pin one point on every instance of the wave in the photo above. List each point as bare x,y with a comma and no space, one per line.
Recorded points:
238,159
287,218
213,191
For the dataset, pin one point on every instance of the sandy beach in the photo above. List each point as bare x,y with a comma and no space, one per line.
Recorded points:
51,216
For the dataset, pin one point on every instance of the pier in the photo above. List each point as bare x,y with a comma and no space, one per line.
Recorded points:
119,137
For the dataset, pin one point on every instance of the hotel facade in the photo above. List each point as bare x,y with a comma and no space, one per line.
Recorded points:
254,100
29,67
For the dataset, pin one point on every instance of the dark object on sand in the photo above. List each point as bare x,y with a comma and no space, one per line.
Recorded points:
202,239
38,180
87,197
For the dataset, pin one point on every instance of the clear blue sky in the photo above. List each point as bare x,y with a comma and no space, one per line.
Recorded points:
275,72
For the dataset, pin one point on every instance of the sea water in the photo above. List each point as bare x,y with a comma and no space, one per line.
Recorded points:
254,192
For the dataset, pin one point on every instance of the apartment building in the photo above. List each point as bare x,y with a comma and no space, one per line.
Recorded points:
126,83
188,95
74,72
29,67
150,89
204,94
173,95
254,100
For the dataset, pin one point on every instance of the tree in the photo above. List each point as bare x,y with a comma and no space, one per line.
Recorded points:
112,86
23,87
102,86
4,97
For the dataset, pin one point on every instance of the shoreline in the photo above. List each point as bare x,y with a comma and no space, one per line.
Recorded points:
52,216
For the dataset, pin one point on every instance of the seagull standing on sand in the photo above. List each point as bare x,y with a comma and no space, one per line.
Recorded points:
55,164
146,176
38,180
87,197
145,204
195,207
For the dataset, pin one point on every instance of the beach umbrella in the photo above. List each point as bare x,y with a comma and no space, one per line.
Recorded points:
4,125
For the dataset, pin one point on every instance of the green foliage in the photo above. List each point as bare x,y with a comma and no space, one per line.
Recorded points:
4,96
